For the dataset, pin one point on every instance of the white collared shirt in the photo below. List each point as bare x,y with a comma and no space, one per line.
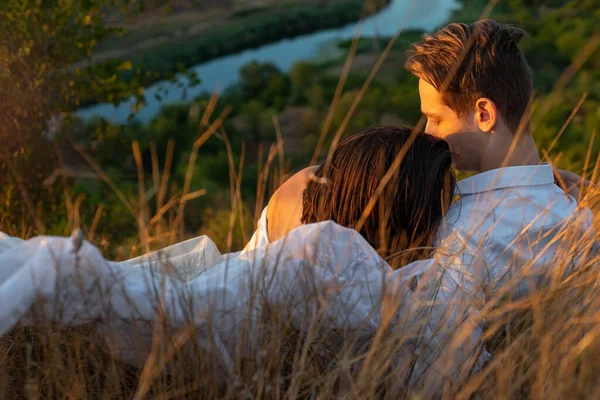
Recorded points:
510,230
508,219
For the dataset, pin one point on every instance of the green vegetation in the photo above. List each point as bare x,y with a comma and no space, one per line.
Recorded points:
244,30
38,43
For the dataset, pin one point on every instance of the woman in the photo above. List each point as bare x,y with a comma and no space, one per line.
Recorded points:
399,219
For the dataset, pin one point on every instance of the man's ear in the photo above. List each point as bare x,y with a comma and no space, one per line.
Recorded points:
486,114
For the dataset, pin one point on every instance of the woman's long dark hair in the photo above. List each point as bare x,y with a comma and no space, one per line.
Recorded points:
408,212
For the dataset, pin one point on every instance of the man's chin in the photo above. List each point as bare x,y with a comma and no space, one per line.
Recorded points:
466,143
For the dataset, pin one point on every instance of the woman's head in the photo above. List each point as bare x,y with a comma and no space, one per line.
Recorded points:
409,209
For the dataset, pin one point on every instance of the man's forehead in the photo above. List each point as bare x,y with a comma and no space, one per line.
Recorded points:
431,102
426,88
429,94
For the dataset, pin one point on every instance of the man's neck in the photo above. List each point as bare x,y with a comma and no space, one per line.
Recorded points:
510,153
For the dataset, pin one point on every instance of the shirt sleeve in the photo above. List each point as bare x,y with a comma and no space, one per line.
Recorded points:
448,299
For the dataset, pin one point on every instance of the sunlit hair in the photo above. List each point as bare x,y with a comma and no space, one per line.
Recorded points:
465,62
410,209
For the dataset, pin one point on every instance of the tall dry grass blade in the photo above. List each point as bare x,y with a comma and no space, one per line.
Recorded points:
584,54
388,48
76,217
487,11
156,363
241,212
588,156
262,182
155,167
107,180
149,373
282,173
66,192
96,221
339,89
336,98
162,190
301,357
159,213
359,97
259,192
27,199
596,170
194,195
177,224
210,108
143,212
567,122
231,166
235,182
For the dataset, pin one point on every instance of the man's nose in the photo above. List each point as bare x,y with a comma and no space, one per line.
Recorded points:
430,130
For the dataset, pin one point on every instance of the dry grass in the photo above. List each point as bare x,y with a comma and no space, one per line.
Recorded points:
543,345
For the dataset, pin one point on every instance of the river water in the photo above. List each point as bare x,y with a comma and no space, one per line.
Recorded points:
219,73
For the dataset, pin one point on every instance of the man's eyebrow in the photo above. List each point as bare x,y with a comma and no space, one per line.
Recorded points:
429,114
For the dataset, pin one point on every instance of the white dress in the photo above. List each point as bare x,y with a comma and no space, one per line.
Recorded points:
319,266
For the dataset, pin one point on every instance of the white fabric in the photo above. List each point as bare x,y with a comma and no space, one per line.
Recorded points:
316,267
261,235
6,242
185,260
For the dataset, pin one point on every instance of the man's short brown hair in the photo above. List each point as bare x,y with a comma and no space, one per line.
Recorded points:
465,62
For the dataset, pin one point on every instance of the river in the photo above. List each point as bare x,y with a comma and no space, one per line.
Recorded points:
221,72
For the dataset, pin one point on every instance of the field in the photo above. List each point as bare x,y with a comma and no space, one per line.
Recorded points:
208,166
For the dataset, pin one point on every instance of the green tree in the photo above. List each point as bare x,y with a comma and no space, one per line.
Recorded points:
302,76
265,83
41,43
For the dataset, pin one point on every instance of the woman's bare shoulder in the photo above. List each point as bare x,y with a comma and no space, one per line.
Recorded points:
284,210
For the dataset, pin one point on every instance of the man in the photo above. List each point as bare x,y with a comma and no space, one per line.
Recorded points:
509,225
475,89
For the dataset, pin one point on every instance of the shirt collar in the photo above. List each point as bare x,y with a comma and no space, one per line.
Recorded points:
507,177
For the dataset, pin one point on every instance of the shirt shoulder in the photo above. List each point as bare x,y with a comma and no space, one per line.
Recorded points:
506,212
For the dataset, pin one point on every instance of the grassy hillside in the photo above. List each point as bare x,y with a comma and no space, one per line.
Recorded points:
206,167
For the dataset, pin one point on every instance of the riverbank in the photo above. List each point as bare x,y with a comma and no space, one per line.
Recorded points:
178,45
223,72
